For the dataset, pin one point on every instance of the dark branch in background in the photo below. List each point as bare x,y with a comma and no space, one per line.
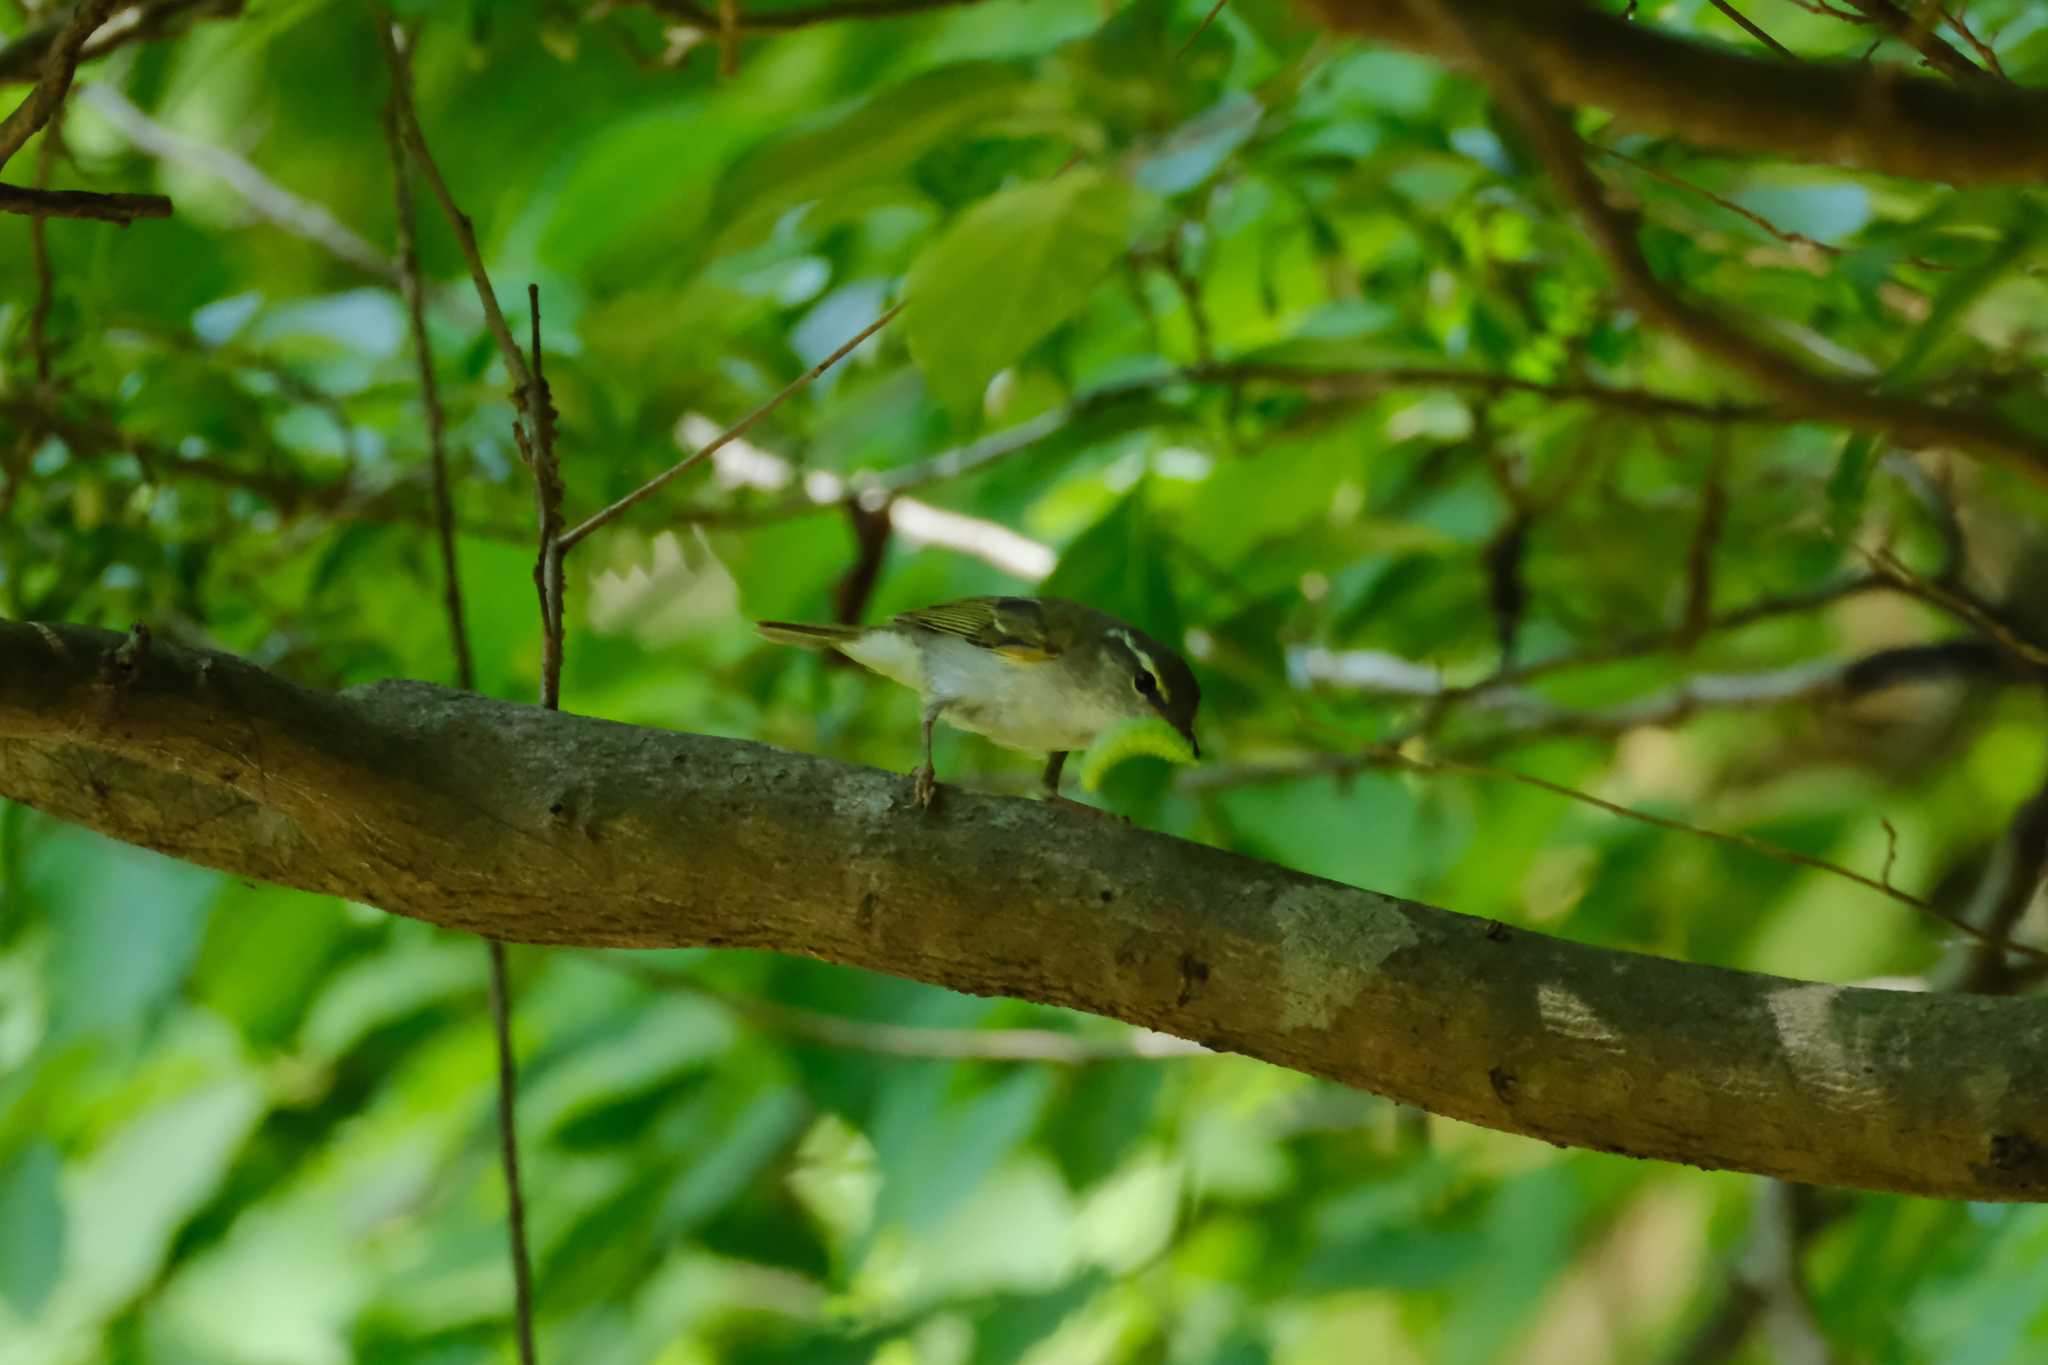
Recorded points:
536,440
2011,880
410,290
870,526
38,107
59,63
1950,596
91,204
1698,611
1873,117
508,820
1918,34
1767,1285
1798,390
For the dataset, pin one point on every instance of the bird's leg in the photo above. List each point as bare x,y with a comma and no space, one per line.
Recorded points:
1053,763
927,777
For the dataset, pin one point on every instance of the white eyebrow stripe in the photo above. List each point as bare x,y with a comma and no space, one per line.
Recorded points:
1145,660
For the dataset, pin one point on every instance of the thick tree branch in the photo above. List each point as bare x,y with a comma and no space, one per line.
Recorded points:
505,819
1872,117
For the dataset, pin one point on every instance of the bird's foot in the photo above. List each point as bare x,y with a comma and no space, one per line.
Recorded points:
927,786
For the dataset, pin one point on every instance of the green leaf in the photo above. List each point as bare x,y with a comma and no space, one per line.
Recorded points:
874,142
31,1228
1962,291
1850,483
1139,737
1009,271
1119,565
126,924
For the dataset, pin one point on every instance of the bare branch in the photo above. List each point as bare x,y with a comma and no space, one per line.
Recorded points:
1798,390
40,104
1750,27
1845,113
1954,600
737,429
1919,35
539,448
92,204
509,820
409,289
399,63
22,56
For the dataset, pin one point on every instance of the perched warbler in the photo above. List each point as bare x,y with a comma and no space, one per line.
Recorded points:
1034,673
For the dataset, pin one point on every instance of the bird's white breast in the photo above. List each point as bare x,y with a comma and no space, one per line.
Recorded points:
1029,706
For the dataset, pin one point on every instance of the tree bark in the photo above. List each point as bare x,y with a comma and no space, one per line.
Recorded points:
512,821
1874,117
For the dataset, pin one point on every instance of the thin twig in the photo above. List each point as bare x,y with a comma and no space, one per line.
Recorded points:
1172,261
646,490
397,59
21,57
1985,52
40,104
1910,29
537,440
1957,603
402,128
430,400
1749,26
1201,28
508,1148
1796,390
1381,754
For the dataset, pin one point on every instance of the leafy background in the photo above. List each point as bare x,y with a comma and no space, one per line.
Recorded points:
240,1124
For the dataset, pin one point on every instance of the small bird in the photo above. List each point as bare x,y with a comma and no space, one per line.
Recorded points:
1035,673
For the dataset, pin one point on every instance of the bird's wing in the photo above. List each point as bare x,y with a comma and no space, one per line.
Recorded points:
1014,627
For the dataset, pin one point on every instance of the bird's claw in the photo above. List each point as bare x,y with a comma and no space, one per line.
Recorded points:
927,786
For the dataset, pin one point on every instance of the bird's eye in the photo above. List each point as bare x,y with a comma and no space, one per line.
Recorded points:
1145,685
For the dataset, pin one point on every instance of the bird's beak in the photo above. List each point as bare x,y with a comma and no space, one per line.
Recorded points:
1189,734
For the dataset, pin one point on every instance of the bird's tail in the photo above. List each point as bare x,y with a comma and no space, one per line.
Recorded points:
809,637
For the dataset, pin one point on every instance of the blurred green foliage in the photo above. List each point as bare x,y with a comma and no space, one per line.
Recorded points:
246,1126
